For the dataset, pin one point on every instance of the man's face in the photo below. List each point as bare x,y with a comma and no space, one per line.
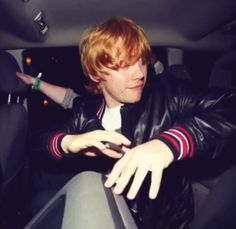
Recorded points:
124,85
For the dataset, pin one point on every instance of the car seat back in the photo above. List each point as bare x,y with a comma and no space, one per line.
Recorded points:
214,189
85,203
13,133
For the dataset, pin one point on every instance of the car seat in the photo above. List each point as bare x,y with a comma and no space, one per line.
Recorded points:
84,203
224,70
13,137
217,202
215,187
178,71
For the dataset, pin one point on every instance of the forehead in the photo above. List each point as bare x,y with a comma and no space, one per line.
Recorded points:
122,69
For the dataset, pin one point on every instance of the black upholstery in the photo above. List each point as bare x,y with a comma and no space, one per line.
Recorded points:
224,70
218,208
13,136
215,187
178,71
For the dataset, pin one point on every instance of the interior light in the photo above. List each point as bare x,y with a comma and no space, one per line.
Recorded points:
45,102
28,60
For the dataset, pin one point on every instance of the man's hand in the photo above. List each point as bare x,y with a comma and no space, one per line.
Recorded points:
76,143
153,156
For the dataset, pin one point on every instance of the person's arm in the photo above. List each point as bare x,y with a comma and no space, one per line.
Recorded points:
205,121
54,92
69,97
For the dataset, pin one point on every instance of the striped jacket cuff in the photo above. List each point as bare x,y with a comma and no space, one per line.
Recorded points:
55,146
180,141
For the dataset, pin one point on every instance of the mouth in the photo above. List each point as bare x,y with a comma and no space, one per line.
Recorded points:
138,86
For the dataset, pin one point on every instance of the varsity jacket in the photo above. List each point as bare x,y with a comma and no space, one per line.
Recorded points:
193,123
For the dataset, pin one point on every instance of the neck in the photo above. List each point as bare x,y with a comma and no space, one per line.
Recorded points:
112,103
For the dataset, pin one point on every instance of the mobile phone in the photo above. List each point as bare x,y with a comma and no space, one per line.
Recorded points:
114,147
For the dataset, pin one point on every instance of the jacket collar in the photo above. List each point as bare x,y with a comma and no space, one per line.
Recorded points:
101,109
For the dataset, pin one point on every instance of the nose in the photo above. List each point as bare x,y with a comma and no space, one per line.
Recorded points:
139,70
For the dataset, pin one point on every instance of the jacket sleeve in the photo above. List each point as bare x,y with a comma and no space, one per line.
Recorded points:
205,121
77,124
47,143
68,99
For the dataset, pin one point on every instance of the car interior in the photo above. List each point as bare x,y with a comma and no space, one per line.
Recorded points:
194,40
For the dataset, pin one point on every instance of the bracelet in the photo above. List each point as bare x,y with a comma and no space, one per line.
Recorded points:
37,82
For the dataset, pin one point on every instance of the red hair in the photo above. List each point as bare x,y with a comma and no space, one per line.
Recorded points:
116,43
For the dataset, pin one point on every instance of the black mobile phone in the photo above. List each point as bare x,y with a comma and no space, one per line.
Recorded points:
114,147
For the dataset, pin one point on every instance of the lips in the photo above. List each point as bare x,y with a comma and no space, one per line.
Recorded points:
136,86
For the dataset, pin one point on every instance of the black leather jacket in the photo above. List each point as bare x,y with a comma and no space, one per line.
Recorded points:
207,115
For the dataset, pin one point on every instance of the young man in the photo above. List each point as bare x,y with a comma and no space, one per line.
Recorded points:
157,122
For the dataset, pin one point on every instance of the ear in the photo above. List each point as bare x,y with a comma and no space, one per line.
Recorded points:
94,78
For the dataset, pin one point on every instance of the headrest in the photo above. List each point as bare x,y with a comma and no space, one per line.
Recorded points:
223,71
9,82
178,71
227,61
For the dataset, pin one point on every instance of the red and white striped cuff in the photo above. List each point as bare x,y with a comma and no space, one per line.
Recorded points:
180,141
55,146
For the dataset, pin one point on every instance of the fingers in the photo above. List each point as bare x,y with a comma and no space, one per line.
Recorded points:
138,180
90,154
121,178
97,139
136,164
100,138
76,143
141,172
113,137
20,75
107,136
123,171
103,148
155,182
116,171
29,80
124,179
107,152
92,143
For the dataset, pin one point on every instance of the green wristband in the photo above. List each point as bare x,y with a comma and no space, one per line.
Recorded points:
36,84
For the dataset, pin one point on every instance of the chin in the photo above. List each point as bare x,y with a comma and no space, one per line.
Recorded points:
134,100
